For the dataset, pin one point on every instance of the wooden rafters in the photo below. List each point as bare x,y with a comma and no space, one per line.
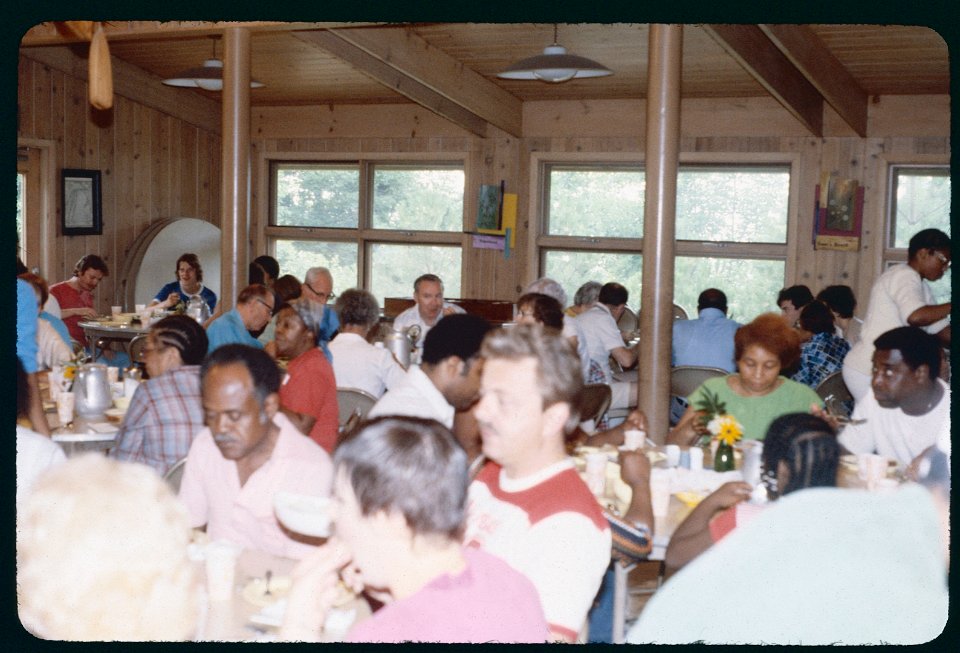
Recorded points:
406,63
837,86
769,66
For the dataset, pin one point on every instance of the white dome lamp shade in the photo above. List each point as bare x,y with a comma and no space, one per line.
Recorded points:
209,76
555,65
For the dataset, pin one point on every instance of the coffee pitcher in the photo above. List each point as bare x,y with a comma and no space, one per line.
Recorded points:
92,388
402,343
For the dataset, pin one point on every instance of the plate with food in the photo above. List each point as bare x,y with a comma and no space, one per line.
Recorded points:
261,593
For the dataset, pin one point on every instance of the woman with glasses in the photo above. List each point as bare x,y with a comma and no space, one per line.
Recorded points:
255,307
189,275
165,411
800,451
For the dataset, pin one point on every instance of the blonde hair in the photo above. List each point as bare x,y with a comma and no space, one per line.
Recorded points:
102,555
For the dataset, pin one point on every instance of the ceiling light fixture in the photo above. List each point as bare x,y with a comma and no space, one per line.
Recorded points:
209,76
555,65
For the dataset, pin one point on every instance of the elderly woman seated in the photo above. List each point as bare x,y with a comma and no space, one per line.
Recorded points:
823,354
102,555
165,411
357,363
756,394
800,451
400,501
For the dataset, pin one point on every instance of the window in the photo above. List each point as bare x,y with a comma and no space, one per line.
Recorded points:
375,225
731,230
919,198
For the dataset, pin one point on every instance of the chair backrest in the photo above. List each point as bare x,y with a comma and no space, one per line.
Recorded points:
679,313
595,401
353,400
836,395
684,379
628,322
137,345
175,474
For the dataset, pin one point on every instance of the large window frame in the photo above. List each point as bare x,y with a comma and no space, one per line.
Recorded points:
541,242
365,236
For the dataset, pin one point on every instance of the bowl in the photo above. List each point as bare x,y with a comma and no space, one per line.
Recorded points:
114,415
304,514
121,403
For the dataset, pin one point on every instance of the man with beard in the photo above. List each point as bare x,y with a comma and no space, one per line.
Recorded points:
248,452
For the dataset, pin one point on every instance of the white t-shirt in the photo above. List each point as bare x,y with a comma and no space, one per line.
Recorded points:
572,327
892,433
358,364
36,453
896,294
602,336
411,316
415,396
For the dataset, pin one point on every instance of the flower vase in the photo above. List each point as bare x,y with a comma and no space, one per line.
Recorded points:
723,458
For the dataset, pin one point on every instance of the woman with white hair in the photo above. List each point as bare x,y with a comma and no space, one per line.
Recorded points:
102,555
308,394
571,329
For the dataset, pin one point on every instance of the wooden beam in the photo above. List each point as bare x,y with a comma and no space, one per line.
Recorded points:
397,80
60,34
135,84
408,53
748,45
812,58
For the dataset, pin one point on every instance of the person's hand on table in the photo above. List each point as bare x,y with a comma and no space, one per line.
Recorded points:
635,468
728,494
314,590
83,311
635,420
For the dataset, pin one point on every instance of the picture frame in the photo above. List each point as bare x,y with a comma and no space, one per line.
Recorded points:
838,216
80,193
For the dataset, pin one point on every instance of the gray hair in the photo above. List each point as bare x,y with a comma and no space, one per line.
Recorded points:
550,288
310,312
315,272
357,307
588,293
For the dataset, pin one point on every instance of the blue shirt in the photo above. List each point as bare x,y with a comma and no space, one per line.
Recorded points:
329,325
706,341
27,326
174,287
228,329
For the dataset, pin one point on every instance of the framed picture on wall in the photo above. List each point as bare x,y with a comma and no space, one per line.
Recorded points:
81,202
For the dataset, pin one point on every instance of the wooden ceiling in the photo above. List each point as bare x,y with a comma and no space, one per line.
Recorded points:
455,64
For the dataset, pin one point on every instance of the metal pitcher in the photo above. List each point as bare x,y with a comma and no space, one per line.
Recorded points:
402,343
197,309
92,388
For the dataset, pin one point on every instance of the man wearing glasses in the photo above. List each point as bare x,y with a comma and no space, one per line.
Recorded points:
318,286
900,297
255,306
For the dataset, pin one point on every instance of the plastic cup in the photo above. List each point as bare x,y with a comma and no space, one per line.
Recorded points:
66,402
660,494
871,468
221,565
633,439
696,459
116,310
596,472
673,455
138,308
113,374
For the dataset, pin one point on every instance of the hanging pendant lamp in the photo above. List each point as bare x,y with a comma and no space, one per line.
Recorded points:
209,76
555,65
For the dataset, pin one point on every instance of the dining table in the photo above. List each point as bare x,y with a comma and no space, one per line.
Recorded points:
82,434
111,328
250,615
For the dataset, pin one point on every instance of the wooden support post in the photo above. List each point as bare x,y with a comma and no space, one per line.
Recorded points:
235,164
659,225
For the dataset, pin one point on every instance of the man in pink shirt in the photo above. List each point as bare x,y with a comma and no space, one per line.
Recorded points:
248,452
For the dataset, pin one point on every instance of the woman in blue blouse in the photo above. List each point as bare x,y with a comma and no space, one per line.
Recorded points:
187,285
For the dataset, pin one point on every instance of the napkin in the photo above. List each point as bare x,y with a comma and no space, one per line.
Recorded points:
700,480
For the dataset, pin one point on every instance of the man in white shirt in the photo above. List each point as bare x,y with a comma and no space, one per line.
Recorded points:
599,327
529,505
909,405
357,363
900,297
448,378
429,309
572,329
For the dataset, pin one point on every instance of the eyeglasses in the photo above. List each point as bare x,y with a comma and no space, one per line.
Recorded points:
269,307
326,297
944,261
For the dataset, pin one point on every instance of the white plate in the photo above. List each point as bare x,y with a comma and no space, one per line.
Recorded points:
255,591
303,514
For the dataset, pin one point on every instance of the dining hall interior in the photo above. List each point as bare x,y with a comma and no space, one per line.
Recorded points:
839,132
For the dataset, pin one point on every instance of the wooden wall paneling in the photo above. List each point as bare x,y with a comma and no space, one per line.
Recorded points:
104,136
125,176
43,103
160,165
25,104
188,171
204,182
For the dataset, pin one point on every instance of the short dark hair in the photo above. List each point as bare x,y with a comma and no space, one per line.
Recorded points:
816,318
712,298
587,293
840,299
915,345
255,291
263,264
263,370
90,261
193,261
184,334
799,296
546,309
426,277
613,294
927,239
287,287
807,445
358,307
410,465
457,335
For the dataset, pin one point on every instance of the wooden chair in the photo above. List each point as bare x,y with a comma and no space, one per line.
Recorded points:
594,402
835,394
352,401
684,379
175,474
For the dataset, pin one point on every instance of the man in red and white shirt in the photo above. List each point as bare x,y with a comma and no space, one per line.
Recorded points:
528,505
